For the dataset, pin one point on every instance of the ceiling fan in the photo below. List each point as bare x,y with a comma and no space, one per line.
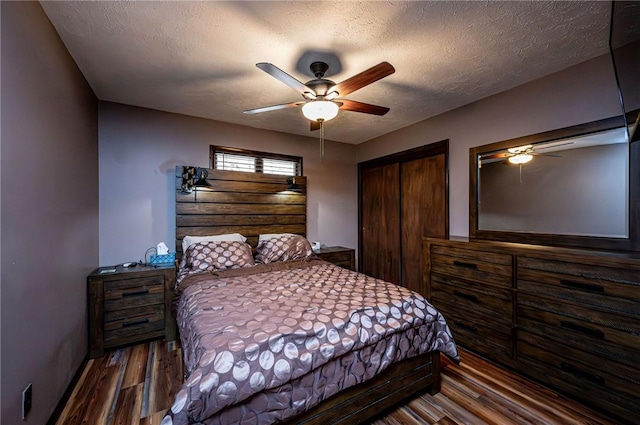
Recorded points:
519,155
323,98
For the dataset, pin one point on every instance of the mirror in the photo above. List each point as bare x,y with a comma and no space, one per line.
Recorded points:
571,186
567,187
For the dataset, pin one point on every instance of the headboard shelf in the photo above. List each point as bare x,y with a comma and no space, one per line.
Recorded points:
239,202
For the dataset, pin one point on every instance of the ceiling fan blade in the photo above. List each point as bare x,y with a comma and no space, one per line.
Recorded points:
547,154
315,125
364,78
367,108
273,108
279,74
495,155
551,145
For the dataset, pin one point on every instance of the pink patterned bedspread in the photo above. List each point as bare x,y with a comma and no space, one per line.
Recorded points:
264,344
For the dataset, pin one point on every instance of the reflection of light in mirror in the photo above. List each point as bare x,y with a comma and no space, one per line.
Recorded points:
521,158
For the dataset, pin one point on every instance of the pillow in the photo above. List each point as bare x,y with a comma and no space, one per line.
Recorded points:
190,240
283,248
218,255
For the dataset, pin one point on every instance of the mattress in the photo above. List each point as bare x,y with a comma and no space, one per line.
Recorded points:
266,343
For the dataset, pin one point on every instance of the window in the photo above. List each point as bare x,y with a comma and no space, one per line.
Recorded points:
223,158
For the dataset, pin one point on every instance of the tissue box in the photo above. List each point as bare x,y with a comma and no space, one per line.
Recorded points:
157,260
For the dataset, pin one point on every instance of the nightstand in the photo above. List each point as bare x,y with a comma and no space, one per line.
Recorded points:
129,305
338,255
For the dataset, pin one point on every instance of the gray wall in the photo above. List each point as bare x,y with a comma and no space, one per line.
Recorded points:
49,211
139,149
583,192
583,93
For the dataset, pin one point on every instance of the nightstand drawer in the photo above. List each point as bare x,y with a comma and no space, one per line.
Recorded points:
129,293
130,325
340,256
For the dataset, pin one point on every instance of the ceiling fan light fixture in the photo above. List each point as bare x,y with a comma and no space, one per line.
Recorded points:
521,158
320,110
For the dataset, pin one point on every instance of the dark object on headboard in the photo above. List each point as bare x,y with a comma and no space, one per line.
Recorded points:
193,177
239,202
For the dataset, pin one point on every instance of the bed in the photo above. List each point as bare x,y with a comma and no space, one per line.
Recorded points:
272,334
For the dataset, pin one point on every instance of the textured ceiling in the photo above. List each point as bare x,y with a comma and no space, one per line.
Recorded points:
198,58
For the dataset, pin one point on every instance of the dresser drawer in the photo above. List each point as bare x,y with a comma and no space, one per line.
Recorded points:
588,282
480,266
134,324
478,334
585,382
585,320
595,338
610,375
492,301
133,293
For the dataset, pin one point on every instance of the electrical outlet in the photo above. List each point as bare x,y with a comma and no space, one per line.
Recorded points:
26,400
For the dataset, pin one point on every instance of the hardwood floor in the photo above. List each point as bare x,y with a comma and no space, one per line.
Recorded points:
135,386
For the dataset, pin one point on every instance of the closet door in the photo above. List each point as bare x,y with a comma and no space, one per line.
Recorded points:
403,199
380,237
423,213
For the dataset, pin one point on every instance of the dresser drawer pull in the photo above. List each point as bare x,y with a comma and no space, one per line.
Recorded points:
580,285
463,326
134,323
596,333
579,372
469,297
134,293
466,265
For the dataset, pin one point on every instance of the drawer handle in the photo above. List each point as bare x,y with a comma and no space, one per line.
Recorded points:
134,323
596,333
465,265
579,285
579,372
464,326
469,297
134,293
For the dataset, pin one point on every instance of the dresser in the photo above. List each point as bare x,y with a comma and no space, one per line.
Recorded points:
129,305
567,318
338,255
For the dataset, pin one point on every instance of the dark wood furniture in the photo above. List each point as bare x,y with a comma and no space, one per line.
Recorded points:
402,198
254,204
362,402
567,318
129,305
238,202
338,255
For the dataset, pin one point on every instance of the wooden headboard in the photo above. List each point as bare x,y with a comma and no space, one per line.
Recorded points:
240,202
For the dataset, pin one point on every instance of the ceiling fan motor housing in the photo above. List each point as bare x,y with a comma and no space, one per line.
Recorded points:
318,69
320,86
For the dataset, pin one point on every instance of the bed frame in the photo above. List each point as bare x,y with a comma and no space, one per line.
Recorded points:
254,204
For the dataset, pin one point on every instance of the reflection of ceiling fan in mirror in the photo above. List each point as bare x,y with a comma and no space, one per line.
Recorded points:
519,155
322,97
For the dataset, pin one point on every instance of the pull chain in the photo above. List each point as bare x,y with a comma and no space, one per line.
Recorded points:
321,138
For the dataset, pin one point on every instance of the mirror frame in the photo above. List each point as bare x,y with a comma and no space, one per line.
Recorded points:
630,243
